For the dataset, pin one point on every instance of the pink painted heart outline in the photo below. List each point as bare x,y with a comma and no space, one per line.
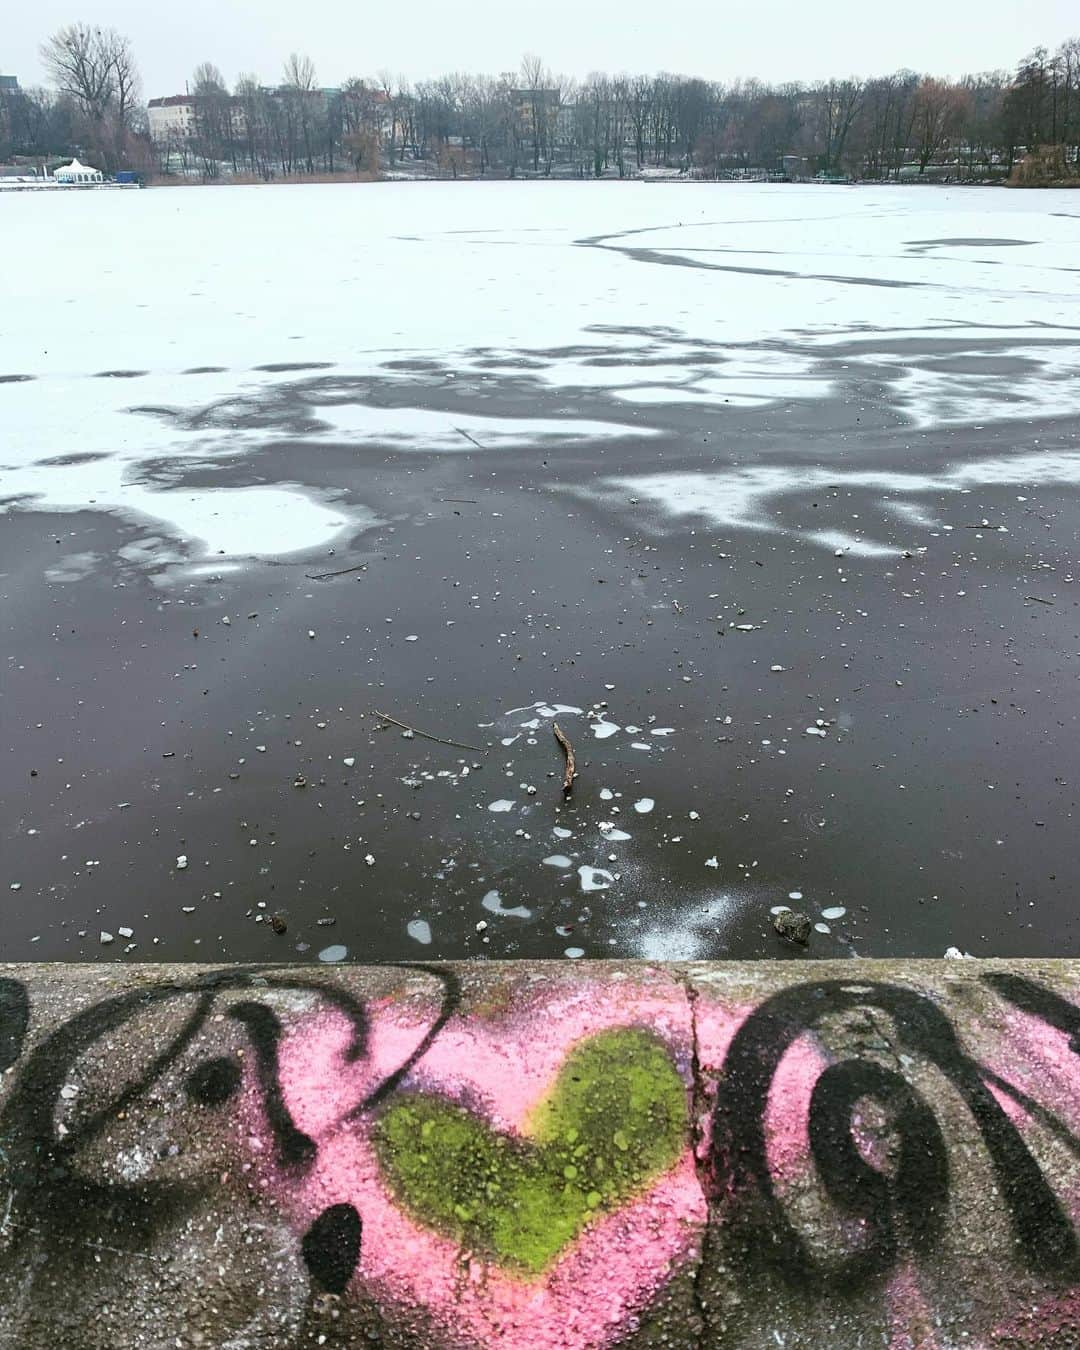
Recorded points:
502,1066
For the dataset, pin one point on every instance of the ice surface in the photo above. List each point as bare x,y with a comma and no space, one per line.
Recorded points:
131,311
151,281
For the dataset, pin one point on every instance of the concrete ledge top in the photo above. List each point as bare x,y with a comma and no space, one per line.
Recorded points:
540,1154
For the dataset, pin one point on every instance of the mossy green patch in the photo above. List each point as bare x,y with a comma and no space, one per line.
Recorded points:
614,1120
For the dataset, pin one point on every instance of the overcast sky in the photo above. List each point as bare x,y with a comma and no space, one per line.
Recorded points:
773,39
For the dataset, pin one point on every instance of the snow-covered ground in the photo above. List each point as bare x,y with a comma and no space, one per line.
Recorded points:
719,295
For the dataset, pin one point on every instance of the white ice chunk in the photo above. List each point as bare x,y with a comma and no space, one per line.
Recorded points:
595,878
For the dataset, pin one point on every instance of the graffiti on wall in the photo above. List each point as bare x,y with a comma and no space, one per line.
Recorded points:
386,1154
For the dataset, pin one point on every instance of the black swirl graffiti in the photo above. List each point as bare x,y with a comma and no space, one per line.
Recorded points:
38,1155
909,1204
28,1122
917,1191
28,1117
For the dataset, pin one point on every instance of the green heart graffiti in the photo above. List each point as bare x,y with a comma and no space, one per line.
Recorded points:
615,1120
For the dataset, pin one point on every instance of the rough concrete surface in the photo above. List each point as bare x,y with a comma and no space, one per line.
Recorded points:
532,1155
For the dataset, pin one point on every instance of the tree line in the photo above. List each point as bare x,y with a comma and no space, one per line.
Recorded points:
534,122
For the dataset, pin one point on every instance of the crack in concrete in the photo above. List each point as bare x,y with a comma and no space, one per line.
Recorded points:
698,1109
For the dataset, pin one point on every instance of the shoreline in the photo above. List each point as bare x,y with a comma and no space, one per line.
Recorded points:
347,180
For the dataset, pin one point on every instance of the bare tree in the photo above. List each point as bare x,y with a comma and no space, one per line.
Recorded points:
939,110
399,102
838,103
536,81
207,78
884,126
481,118
300,106
95,68
125,77
80,60
1068,59
33,122
300,73
981,134
640,105
594,122
215,140
251,102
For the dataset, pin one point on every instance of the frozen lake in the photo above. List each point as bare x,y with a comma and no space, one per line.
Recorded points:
766,494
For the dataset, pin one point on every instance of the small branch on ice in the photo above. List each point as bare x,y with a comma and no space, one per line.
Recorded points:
568,751
1038,599
343,571
480,750
462,432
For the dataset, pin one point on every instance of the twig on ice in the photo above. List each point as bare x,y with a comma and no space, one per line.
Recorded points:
325,576
480,750
571,768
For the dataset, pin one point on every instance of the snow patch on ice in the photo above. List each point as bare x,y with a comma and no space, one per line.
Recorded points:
492,902
743,498
603,729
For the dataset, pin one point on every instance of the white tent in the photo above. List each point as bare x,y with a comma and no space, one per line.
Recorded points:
78,173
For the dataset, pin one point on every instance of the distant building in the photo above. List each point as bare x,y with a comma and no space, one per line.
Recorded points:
566,124
76,173
173,119
9,84
534,105
319,98
184,117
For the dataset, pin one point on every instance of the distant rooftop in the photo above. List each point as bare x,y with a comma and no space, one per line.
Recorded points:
274,91
9,84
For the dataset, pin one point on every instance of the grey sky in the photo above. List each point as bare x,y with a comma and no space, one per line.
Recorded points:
773,39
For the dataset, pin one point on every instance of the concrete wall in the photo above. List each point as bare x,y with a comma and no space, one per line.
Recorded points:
539,1156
